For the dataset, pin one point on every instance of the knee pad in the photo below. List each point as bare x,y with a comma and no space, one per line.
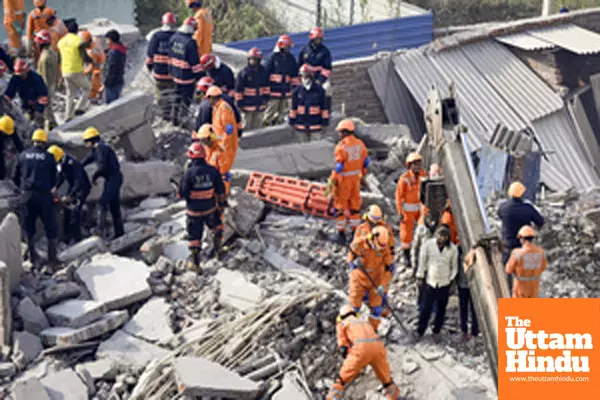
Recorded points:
376,311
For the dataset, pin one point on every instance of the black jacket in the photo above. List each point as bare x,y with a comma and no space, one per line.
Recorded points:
18,146
114,68
72,171
514,214
106,160
202,187
35,171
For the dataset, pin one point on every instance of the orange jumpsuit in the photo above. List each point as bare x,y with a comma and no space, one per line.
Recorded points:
204,32
526,264
94,69
223,117
375,262
351,153
38,20
217,157
408,205
14,22
448,219
364,348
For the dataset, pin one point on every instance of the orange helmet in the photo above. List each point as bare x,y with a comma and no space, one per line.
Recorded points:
255,53
169,19
381,237
413,157
206,131
345,125
42,37
204,83
214,91
196,151
315,33
526,232
516,190
190,21
85,36
208,61
374,214
307,69
284,41
39,3
21,66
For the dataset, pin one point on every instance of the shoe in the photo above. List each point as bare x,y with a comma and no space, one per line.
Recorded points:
34,257
79,113
437,337
464,337
341,238
53,260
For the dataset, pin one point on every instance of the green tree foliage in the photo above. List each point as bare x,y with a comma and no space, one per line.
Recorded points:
234,19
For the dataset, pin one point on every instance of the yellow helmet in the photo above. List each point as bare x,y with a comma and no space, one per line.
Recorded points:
206,131
413,157
374,214
345,311
57,152
39,135
7,125
526,232
90,133
516,190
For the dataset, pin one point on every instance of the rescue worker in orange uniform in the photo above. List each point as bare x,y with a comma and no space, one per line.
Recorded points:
526,265
40,18
224,124
360,346
14,22
371,253
204,32
407,201
215,152
374,218
58,30
351,162
94,68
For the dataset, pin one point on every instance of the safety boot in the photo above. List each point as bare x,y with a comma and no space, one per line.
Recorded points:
407,258
102,226
193,261
341,238
52,258
217,250
34,257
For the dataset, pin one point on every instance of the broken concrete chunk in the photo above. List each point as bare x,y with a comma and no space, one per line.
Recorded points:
7,369
29,389
65,385
10,248
139,143
247,211
130,34
87,247
75,313
151,322
409,366
173,227
127,351
26,347
86,378
176,250
131,239
34,320
236,291
154,203
62,336
291,388
58,292
198,377
102,369
152,248
115,281
5,307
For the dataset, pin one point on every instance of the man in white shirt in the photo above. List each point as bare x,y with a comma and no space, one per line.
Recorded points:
438,266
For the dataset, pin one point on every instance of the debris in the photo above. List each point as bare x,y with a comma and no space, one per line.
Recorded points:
7,369
115,281
128,351
86,378
34,320
268,370
5,307
30,389
58,292
151,322
65,385
131,239
102,369
198,377
9,197
10,248
139,143
409,366
154,203
75,313
236,291
26,348
293,388
178,250
87,247
247,211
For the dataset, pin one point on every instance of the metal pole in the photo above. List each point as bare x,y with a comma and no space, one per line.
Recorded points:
546,8
318,5
351,12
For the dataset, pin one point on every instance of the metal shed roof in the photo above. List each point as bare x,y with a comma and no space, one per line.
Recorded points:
525,41
570,37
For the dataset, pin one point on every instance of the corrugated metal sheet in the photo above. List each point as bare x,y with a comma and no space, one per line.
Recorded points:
359,40
570,37
584,129
491,170
399,106
525,41
556,132
516,83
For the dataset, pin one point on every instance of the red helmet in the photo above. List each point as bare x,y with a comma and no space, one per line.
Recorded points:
196,151
42,37
21,66
208,61
204,83
284,41
255,53
307,69
3,68
169,19
315,33
190,21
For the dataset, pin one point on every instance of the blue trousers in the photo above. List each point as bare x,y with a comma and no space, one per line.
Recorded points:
195,227
72,223
113,93
38,204
110,200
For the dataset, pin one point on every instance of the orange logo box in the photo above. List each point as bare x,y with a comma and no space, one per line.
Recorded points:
549,349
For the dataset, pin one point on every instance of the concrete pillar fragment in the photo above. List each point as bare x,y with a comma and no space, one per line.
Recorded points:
5,309
10,249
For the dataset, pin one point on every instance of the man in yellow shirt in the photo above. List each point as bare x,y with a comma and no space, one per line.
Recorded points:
73,55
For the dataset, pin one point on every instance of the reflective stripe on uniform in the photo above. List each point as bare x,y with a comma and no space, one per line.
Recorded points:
202,194
371,340
411,207
406,246
201,213
526,278
350,173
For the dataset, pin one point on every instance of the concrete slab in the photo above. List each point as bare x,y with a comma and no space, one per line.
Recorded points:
115,281
75,313
131,239
62,336
151,322
65,385
305,160
174,226
139,143
127,351
26,347
202,378
154,203
149,215
236,291
58,292
89,246
9,198
7,369
130,34
5,307
10,247
141,179
102,369
291,389
247,210
29,389
34,320
176,250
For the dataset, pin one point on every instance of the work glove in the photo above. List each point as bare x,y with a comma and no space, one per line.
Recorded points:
229,129
227,177
344,351
329,189
381,291
356,263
